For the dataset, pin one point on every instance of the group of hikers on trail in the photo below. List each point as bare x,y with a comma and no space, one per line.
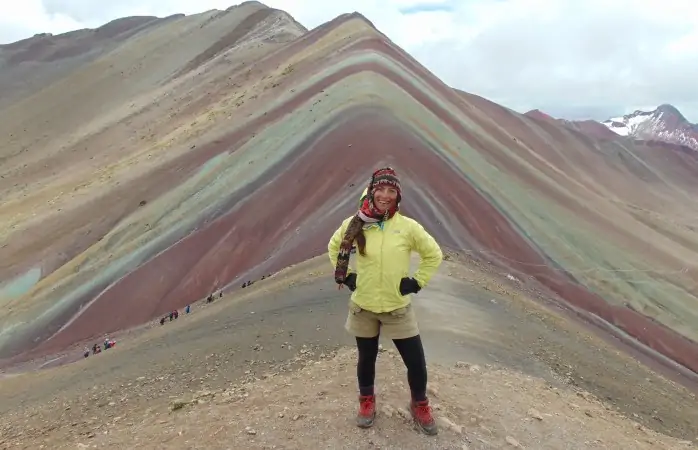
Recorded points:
381,288
173,315
96,348
249,283
210,297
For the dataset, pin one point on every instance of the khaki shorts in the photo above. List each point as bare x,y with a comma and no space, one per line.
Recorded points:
398,324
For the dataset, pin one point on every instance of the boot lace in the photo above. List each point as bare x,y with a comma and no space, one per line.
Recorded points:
423,412
366,405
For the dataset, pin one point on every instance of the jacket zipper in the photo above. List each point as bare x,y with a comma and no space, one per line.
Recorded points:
382,285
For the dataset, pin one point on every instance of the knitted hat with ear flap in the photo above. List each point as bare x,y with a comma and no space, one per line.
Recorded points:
385,177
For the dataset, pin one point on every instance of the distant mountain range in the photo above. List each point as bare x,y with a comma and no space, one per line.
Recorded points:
664,124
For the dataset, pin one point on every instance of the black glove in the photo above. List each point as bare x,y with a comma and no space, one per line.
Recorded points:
350,281
409,286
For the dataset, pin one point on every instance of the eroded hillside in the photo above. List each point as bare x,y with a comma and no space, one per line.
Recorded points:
214,148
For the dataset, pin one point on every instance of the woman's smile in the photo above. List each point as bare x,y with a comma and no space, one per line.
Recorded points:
384,198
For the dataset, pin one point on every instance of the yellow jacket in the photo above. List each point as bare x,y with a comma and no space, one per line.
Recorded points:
387,261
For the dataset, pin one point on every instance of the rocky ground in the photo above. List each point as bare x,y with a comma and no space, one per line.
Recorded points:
477,407
270,368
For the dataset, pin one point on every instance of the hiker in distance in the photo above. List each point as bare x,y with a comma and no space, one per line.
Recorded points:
381,288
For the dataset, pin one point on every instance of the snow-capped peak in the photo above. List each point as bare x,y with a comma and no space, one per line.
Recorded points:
665,124
625,125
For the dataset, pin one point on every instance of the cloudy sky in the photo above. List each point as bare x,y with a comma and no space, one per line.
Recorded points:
570,58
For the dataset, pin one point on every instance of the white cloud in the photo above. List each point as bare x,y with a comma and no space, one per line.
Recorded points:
21,19
571,58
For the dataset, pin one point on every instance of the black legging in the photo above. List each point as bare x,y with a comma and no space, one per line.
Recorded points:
412,353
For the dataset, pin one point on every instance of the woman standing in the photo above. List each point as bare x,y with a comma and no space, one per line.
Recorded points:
381,288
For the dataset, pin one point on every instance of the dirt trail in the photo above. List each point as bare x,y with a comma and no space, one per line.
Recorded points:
241,359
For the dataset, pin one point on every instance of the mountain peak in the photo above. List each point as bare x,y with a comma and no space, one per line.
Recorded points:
671,110
665,107
665,124
538,114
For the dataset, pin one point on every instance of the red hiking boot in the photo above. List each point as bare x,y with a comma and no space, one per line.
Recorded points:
421,413
367,411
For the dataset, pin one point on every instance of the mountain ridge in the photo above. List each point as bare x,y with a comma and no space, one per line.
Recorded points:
665,123
210,171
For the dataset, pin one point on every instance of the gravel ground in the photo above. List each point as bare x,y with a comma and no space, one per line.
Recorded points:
251,351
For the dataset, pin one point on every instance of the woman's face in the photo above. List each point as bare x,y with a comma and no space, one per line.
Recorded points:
384,197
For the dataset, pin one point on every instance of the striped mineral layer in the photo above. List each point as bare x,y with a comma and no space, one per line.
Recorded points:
145,166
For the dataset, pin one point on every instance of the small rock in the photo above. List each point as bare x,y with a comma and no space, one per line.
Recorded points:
585,395
201,395
250,430
475,369
403,413
513,442
533,413
462,365
445,422
178,404
388,411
